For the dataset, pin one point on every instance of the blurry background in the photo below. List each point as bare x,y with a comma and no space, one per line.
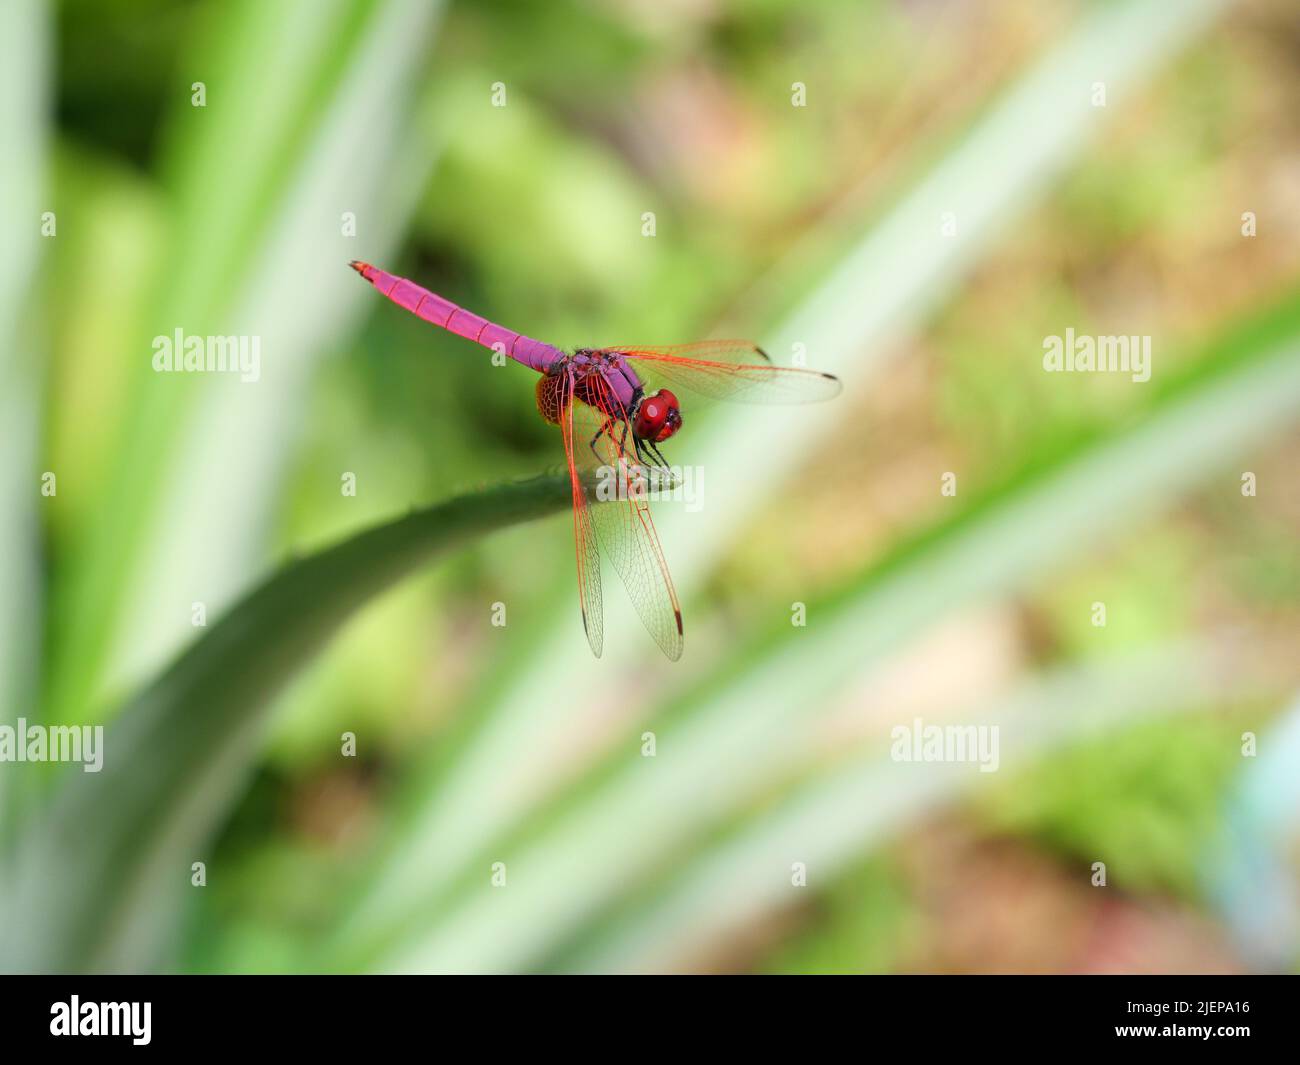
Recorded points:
910,193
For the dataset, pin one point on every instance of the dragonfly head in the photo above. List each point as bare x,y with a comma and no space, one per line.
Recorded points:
657,417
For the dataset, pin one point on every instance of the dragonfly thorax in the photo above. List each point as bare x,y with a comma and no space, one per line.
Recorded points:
599,378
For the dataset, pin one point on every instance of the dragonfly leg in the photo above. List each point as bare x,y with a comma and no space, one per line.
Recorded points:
645,448
659,464
599,433
662,462
604,431
637,445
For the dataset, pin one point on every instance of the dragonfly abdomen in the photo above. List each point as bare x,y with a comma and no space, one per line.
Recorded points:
455,319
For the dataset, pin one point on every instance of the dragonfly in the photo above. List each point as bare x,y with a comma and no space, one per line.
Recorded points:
614,407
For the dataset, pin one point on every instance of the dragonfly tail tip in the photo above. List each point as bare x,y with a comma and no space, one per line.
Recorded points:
359,266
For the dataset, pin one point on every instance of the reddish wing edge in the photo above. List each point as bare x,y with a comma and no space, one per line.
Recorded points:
734,370
729,351
584,535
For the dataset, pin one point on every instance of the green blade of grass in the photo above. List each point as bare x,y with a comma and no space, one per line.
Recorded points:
832,821
98,876
297,297
244,175
24,46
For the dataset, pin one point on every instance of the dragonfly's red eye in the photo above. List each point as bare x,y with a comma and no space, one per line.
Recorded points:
650,417
658,417
674,420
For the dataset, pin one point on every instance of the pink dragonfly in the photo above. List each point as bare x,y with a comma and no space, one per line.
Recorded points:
614,413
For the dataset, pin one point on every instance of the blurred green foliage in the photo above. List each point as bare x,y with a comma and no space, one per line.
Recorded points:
1146,800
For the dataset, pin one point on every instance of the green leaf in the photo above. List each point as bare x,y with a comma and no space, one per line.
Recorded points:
866,797
100,873
24,55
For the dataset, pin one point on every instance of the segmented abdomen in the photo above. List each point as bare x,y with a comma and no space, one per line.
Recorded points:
455,319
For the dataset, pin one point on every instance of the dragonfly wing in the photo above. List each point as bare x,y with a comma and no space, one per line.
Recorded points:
620,513
733,370
584,533
736,352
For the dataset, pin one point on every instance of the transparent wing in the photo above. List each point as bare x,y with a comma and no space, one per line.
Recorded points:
733,370
615,486
584,533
